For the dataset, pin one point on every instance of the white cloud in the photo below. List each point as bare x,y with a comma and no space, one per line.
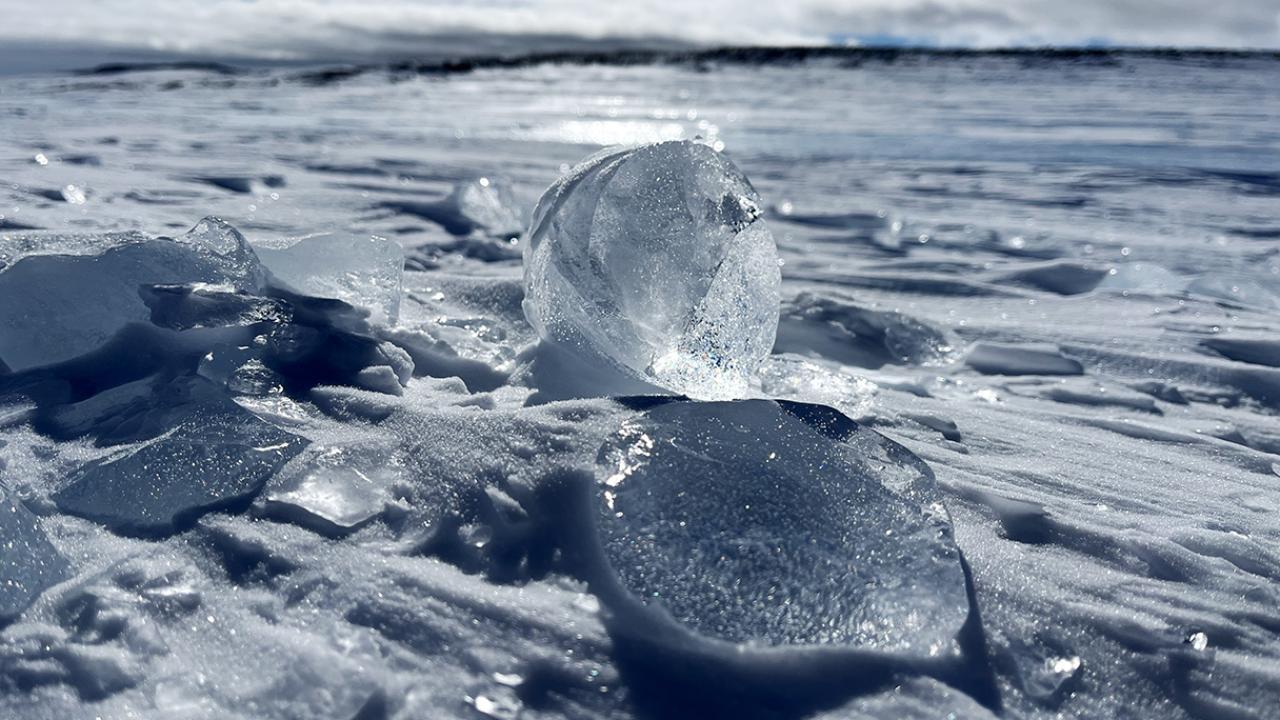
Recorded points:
345,28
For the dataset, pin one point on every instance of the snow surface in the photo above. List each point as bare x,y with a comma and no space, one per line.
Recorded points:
1040,293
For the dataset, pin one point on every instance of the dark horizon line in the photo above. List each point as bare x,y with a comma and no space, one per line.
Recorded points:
850,55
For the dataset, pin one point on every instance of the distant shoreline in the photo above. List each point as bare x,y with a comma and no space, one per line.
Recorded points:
746,55
54,58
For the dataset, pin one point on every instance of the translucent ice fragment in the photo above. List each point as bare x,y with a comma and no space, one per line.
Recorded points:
200,305
210,461
1144,278
832,327
787,376
777,523
28,562
656,260
364,271
1047,667
226,247
488,205
239,369
1001,359
15,246
59,306
1258,290
481,207
334,489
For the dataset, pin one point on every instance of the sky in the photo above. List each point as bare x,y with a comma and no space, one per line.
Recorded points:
347,29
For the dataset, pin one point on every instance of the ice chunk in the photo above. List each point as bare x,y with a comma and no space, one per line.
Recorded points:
488,205
998,359
777,523
28,562
130,412
1258,290
215,239
835,328
58,306
364,271
1142,277
483,207
14,247
379,378
656,259
241,371
1064,277
200,305
794,378
256,345
334,489
210,461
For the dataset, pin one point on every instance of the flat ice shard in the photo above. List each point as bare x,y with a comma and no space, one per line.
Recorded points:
59,306
656,260
776,523
837,329
210,461
364,271
29,564
991,358
334,489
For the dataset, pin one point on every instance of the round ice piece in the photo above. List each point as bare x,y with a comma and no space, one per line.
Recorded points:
774,523
656,260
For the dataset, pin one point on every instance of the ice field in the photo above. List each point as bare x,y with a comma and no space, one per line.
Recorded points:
279,440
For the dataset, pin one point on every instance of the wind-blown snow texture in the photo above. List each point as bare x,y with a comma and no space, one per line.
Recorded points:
1039,291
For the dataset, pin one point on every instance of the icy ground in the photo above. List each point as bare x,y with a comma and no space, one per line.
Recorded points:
1053,285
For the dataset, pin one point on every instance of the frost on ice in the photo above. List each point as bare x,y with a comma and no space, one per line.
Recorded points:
777,523
364,271
656,260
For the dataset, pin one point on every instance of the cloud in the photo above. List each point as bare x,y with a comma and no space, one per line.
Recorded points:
329,29
984,23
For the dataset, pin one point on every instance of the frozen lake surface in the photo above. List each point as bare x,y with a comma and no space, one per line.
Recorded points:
1050,283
